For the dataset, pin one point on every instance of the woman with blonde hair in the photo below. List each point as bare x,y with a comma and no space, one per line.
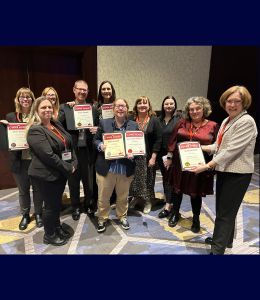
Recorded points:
142,188
50,93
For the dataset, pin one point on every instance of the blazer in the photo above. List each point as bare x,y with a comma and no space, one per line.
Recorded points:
236,151
46,149
66,117
103,165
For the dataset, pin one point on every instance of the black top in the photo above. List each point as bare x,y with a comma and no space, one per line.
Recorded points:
167,130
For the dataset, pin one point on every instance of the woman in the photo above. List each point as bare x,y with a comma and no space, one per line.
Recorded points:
143,185
193,127
53,160
114,174
233,161
21,159
106,93
50,93
168,120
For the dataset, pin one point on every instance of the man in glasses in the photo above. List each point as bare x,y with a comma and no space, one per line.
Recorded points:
82,140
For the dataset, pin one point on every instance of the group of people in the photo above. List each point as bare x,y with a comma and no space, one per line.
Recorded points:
59,152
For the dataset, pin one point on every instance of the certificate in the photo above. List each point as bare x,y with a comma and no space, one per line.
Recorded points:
107,111
191,155
134,142
114,143
16,136
83,116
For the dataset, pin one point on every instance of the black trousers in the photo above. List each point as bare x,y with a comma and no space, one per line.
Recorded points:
23,183
51,193
84,173
230,191
196,203
166,187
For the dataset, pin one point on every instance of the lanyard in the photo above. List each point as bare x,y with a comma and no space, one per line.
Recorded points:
221,133
141,125
59,135
193,132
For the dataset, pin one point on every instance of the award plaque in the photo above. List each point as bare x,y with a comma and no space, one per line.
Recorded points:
83,116
16,136
191,155
134,142
114,143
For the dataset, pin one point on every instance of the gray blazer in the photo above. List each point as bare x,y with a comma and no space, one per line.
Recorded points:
236,151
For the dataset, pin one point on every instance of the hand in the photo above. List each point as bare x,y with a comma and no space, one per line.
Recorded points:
103,147
71,103
199,169
151,162
167,163
93,129
130,156
4,122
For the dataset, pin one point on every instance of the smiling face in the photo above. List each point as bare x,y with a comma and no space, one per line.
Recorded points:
45,111
25,101
51,96
169,106
80,91
196,112
234,105
143,107
106,92
120,109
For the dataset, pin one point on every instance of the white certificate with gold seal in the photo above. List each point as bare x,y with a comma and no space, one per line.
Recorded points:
16,136
134,142
191,155
114,145
107,111
83,116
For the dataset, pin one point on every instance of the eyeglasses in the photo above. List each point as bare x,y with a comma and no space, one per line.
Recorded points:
195,109
235,102
120,106
82,90
50,95
25,97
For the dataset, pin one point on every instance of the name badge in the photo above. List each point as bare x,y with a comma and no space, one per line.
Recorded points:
66,155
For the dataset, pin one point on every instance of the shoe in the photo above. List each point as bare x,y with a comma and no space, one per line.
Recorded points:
195,227
54,239
24,222
209,241
89,210
38,220
147,207
62,233
101,227
164,213
124,223
76,214
174,219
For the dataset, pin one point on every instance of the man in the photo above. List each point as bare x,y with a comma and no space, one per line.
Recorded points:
82,140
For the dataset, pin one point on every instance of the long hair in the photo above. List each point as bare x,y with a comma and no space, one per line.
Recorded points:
56,106
145,100
100,97
21,91
162,115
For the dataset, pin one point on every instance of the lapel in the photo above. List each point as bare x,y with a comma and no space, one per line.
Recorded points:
234,120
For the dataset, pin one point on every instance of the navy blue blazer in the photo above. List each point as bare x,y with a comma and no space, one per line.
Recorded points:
103,165
46,149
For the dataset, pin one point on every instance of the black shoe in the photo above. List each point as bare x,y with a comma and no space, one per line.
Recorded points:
89,210
54,240
24,222
209,241
62,233
164,213
76,214
195,227
38,220
101,227
174,219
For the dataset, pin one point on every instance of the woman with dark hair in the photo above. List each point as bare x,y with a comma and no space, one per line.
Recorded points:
142,188
193,127
168,119
106,93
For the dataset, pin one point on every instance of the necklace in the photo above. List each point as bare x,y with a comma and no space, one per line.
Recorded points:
142,124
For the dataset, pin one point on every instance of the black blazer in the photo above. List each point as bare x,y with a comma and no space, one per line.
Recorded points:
103,165
46,150
66,117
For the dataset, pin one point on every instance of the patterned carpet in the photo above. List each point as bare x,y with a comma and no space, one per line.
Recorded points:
148,234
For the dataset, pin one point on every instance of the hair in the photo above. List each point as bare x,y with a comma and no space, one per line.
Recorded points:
127,105
204,102
100,97
145,100
34,118
22,90
244,94
162,115
56,106
79,81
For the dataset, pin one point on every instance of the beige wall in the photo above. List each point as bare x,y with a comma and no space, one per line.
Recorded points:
155,71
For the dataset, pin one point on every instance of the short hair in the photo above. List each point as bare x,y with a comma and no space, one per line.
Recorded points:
145,100
244,93
204,102
22,90
126,103
79,81
162,108
100,97
56,106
